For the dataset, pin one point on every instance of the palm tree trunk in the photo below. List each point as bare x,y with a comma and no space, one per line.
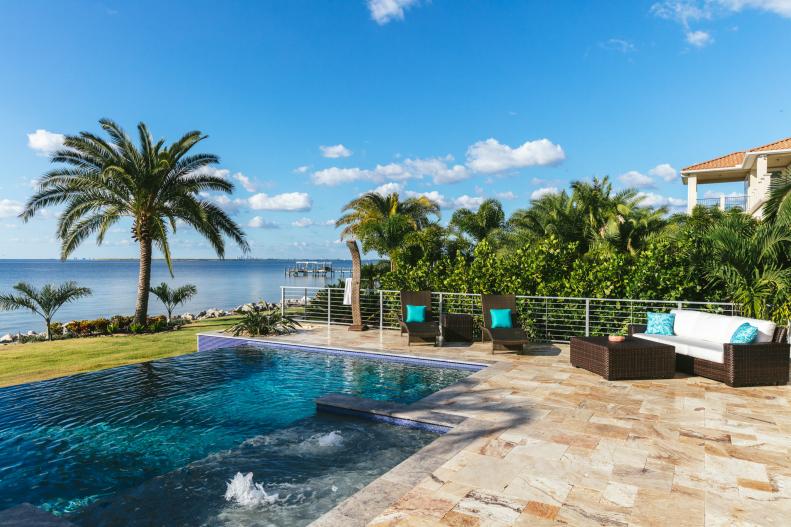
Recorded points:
143,282
357,317
49,332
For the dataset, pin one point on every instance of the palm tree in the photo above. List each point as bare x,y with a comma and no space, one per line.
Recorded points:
155,185
747,262
553,214
44,302
631,226
173,297
778,206
488,220
381,223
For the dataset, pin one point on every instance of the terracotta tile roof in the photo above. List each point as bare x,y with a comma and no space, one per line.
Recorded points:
735,159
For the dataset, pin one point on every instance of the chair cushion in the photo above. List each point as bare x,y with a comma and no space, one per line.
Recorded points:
745,334
501,318
717,328
697,348
415,313
660,323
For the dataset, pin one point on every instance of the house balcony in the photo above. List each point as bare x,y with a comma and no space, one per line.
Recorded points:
725,202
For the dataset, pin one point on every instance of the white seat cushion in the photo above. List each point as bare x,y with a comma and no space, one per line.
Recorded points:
700,349
717,328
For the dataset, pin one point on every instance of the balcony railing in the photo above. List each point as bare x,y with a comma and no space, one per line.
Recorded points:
551,319
724,202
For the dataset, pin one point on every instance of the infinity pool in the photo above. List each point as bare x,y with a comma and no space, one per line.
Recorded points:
158,443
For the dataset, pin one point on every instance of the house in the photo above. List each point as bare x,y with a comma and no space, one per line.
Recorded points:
755,167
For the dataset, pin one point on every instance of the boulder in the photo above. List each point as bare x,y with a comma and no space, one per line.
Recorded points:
189,317
5,339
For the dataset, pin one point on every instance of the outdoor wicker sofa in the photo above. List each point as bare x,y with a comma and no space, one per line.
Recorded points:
427,331
513,338
702,348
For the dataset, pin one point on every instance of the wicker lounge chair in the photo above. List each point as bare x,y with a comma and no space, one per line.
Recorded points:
427,331
513,338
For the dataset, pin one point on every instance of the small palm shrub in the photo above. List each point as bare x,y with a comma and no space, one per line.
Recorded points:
264,320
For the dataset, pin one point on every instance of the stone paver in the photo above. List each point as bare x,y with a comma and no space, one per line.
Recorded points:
555,445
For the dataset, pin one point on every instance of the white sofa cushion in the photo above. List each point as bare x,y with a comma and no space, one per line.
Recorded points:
711,327
697,348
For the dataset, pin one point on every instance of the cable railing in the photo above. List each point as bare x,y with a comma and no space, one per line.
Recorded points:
546,318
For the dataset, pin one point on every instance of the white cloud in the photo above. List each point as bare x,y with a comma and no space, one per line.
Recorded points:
546,191
438,169
689,12
212,171
388,188
307,222
505,196
492,156
699,38
224,202
301,169
257,222
335,151
714,194
335,176
618,44
392,171
433,195
664,171
778,7
384,11
650,199
45,142
10,208
468,202
633,178
245,181
289,201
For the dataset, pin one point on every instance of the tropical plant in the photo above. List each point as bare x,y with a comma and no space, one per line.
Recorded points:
100,182
778,207
171,298
264,319
747,262
481,224
44,302
381,223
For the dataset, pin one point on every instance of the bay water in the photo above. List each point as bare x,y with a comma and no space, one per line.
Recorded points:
222,284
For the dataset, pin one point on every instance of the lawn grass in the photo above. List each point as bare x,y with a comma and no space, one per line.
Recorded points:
21,363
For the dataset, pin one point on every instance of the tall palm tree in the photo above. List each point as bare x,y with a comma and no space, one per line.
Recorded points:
100,182
746,261
479,225
552,214
778,206
44,302
631,226
381,223
171,298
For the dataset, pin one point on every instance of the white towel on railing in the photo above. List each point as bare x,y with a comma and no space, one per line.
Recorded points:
347,292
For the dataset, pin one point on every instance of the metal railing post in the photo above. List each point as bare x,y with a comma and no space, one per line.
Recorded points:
381,309
305,304
587,317
329,306
282,301
441,300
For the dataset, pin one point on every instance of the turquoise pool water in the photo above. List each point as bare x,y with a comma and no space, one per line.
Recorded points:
157,443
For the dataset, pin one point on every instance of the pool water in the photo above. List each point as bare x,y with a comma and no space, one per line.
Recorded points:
158,443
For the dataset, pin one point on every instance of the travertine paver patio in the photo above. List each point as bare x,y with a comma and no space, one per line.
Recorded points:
549,444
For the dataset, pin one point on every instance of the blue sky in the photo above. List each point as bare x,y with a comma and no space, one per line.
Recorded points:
461,99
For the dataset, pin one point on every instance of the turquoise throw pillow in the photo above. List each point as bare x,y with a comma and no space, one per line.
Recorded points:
744,334
660,323
501,318
415,313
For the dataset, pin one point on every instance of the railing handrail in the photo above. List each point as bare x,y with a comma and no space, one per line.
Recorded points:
532,297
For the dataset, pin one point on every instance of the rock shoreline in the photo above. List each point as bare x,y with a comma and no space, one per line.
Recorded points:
206,314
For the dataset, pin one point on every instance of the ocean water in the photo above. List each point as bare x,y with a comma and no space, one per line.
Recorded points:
222,284
173,442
